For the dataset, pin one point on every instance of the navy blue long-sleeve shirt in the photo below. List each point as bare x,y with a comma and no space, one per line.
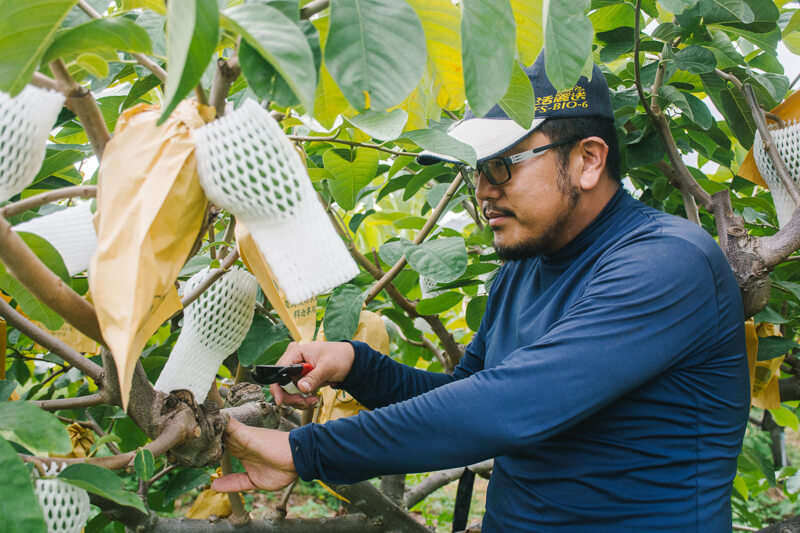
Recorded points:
609,380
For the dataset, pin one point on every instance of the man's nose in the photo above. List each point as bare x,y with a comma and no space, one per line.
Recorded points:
485,190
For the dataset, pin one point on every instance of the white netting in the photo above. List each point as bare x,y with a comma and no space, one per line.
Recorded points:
787,140
429,288
70,231
65,506
247,166
25,123
214,326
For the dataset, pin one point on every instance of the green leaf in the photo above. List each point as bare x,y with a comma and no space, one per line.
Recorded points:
280,42
648,150
102,482
442,260
488,33
678,6
568,35
785,418
184,481
26,30
752,461
6,388
771,316
475,309
700,113
34,428
21,510
110,437
678,99
261,336
441,143
342,312
726,11
518,102
144,464
375,51
350,176
771,347
695,59
611,17
392,252
192,33
100,34
439,304
381,125
46,253
740,486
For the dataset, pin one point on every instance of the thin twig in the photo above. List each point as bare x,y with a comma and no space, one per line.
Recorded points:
163,472
79,402
84,105
142,59
38,200
280,509
313,7
44,82
334,139
97,429
55,345
423,233
200,93
212,276
224,76
239,516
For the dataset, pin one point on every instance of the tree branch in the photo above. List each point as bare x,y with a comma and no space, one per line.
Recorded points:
55,345
212,277
341,524
225,75
84,105
45,286
142,59
439,479
79,402
32,202
44,82
432,219
333,139
313,7
365,498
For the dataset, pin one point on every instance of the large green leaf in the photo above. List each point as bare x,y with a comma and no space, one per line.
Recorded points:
352,171
439,303
184,481
475,310
26,30
442,260
21,510
678,6
144,464
530,34
375,51
261,336
771,347
441,143
726,11
280,42
695,59
518,102
102,482
380,125
117,34
568,35
192,33
489,39
34,428
342,313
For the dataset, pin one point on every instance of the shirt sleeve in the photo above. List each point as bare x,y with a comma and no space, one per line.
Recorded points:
646,308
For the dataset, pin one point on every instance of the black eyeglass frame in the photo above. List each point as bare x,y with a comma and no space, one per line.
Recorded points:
468,172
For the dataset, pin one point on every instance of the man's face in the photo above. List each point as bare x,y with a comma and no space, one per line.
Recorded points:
532,213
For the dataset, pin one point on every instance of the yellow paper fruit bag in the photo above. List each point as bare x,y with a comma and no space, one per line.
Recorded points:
338,403
150,208
763,374
210,502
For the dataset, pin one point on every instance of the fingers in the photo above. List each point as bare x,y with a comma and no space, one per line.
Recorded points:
233,483
293,354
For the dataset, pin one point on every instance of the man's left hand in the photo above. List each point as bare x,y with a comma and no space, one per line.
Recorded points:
265,455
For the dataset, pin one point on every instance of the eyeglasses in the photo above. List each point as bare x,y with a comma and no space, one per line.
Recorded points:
497,170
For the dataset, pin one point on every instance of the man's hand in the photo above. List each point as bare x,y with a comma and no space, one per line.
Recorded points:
264,453
332,362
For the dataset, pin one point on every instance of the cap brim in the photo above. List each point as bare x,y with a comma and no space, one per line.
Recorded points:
487,136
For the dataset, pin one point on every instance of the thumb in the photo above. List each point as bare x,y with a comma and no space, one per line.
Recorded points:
232,483
311,381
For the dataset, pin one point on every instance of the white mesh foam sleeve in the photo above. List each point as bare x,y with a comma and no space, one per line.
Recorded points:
65,506
787,140
248,166
70,231
214,326
429,287
25,123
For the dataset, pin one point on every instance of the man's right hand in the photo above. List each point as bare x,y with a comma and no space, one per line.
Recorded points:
331,361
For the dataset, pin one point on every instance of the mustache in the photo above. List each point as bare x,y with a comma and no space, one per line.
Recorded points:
491,208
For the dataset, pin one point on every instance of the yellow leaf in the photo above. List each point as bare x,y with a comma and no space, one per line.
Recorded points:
530,34
150,208
154,5
329,102
421,105
441,21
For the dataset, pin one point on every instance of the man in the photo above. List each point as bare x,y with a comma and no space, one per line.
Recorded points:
608,378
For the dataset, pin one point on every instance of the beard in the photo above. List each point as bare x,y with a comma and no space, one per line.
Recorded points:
543,244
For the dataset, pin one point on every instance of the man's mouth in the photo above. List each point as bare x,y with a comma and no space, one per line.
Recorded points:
495,216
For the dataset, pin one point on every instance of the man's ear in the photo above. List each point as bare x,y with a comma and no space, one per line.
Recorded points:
593,152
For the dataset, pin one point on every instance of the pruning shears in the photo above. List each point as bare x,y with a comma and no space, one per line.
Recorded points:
282,375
